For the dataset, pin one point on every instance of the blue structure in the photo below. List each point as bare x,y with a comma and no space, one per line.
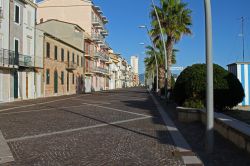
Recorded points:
242,70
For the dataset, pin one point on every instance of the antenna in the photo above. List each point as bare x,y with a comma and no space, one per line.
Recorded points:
243,37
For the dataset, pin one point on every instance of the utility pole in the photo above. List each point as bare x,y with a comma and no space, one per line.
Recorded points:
209,86
243,38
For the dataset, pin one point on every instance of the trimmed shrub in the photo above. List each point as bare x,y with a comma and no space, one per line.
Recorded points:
190,88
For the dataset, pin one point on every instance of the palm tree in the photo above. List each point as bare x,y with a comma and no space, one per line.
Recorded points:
150,61
176,20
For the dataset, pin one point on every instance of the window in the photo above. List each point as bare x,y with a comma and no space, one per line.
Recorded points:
81,61
62,77
77,60
62,55
68,56
73,58
73,79
48,50
17,14
47,76
55,52
29,18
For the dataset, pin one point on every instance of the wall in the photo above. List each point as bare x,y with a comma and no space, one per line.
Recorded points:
73,15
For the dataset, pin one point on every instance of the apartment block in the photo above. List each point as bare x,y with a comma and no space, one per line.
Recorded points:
6,56
63,69
90,18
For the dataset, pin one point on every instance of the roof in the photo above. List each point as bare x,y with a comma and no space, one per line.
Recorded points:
62,22
60,40
238,63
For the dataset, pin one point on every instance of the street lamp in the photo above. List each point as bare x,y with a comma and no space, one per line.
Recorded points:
164,47
156,61
209,88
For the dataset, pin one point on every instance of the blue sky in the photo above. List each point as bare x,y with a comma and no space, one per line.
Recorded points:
126,15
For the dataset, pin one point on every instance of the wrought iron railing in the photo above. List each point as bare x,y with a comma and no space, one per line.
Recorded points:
7,57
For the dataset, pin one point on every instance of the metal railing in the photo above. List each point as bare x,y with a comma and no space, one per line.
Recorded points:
101,56
25,60
101,70
1,13
71,66
7,57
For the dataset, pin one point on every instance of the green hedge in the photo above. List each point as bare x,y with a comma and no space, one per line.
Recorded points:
190,88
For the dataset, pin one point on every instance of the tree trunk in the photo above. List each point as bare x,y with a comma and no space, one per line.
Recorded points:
161,76
170,44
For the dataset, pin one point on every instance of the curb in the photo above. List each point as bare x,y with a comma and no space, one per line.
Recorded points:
183,148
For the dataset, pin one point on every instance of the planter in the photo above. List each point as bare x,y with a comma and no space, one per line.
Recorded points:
188,114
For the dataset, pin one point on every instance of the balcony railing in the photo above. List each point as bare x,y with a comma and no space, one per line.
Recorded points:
10,58
97,23
25,61
71,66
1,13
100,70
101,56
7,58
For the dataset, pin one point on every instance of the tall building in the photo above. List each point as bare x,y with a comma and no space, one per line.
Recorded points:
90,18
135,66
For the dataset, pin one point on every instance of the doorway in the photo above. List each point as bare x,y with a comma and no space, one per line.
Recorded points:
55,82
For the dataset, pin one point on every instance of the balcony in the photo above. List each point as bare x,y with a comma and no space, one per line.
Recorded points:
71,66
100,70
104,45
25,61
97,38
1,14
101,56
104,32
97,23
7,59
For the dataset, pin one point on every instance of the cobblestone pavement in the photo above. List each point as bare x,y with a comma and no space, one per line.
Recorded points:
119,127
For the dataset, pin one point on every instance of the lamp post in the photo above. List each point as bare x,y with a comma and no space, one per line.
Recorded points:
156,61
209,88
164,47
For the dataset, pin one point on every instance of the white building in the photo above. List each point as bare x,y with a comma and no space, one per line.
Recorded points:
6,61
28,75
135,63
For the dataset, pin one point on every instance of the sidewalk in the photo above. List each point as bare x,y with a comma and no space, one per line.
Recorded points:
225,153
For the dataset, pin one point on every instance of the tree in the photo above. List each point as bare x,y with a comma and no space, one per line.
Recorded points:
190,88
150,61
176,20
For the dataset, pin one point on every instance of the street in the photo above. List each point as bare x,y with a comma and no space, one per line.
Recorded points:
121,127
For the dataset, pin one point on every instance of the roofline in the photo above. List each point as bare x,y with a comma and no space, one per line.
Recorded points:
62,22
31,3
60,40
236,63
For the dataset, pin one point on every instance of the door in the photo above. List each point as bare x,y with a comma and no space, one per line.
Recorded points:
27,85
67,81
55,82
15,84
16,52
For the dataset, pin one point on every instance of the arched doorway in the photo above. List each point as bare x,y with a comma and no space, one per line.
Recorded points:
55,82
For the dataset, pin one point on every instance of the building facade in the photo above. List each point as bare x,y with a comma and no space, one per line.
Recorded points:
89,17
6,56
242,70
135,66
63,69
22,43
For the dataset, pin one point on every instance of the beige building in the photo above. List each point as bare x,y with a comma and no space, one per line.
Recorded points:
89,17
63,67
